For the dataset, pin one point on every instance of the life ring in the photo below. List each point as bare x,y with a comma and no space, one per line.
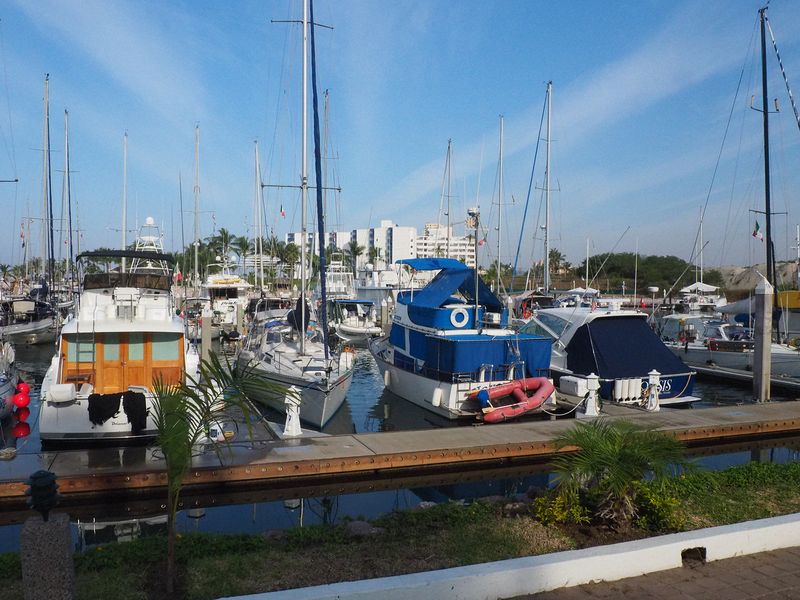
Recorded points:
526,314
459,317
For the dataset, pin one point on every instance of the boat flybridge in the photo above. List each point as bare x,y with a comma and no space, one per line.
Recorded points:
450,349
229,294
124,336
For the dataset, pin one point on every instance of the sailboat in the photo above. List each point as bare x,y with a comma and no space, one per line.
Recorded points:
292,350
704,343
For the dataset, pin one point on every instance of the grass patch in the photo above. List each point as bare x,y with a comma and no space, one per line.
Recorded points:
442,536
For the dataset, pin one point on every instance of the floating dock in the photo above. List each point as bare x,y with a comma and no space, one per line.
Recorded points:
331,464
789,384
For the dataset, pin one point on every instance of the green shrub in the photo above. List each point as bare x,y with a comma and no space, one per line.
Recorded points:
561,507
657,509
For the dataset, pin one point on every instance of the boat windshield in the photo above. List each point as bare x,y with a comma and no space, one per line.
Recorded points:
95,281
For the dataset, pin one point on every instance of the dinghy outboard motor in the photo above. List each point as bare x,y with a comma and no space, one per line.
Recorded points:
295,317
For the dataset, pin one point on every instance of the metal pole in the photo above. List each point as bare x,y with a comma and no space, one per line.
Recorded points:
124,194
765,111
547,193
304,184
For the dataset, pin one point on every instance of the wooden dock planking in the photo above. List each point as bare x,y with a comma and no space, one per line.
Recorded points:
311,462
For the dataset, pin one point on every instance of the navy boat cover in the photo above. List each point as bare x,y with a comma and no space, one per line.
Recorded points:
440,290
620,347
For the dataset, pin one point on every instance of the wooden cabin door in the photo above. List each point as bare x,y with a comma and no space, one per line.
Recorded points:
135,368
110,355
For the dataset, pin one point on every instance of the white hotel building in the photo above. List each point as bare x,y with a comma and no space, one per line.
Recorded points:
393,242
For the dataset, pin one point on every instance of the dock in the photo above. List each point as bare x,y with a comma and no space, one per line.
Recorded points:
788,384
328,465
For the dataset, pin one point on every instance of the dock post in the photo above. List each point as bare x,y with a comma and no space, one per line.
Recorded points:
205,334
591,407
762,365
240,320
292,403
654,382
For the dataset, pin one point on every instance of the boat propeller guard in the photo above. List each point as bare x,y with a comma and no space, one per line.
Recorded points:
540,389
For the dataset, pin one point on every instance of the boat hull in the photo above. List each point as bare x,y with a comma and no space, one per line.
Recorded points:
35,332
450,400
319,402
8,387
785,363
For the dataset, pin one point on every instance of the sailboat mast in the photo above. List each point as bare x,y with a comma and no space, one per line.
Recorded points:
124,195
67,191
701,245
449,167
765,111
499,206
47,222
258,246
304,185
196,204
547,192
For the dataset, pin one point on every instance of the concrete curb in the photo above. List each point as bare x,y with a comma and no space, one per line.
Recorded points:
534,574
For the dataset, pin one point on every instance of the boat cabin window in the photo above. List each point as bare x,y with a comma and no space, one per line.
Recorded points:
165,346
556,324
136,346
80,348
536,329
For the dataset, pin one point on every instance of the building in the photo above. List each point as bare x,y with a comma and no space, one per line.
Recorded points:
439,241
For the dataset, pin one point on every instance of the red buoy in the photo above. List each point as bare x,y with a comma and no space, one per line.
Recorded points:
21,400
21,430
22,414
23,387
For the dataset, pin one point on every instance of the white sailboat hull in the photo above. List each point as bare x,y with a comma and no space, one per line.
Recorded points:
785,361
320,400
34,332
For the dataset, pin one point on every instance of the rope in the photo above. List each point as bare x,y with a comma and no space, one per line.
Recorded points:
783,72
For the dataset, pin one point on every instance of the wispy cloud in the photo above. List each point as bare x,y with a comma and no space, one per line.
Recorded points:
138,55
676,58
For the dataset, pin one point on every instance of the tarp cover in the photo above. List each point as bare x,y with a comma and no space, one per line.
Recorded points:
468,353
620,347
699,287
439,291
432,264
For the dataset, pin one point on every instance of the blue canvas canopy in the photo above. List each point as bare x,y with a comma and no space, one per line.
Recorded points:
449,281
620,347
432,264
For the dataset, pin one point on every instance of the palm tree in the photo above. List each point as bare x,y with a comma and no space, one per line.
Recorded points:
556,259
612,458
291,254
355,250
241,246
183,414
374,255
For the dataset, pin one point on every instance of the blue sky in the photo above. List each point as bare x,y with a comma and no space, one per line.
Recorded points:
642,93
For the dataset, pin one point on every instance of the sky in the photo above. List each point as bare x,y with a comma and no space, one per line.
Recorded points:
644,95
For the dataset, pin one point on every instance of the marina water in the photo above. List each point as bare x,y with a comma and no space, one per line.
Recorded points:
368,408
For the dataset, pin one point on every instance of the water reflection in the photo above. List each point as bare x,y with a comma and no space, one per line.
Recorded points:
368,408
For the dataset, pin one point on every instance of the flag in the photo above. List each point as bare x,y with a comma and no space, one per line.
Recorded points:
283,212
757,232
22,233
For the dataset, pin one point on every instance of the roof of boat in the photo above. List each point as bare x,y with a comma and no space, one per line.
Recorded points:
440,290
351,301
432,264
